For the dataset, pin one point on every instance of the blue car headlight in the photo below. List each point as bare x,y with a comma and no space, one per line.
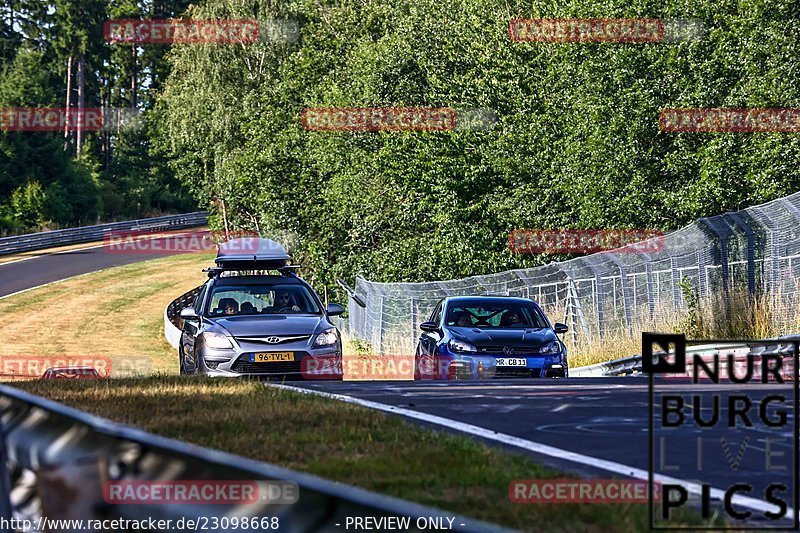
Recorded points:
461,346
551,348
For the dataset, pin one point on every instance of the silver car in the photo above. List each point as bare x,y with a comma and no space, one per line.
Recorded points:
259,325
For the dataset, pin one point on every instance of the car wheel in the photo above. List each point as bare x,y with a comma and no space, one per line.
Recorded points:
181,361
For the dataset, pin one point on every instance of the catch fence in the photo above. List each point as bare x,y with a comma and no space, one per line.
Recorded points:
618,292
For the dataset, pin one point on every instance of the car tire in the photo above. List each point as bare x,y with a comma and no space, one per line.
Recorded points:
182,367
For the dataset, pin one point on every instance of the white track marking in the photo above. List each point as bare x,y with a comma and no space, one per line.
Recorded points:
536,447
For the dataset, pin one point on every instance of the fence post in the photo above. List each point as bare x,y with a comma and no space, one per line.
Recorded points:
625,288
751,248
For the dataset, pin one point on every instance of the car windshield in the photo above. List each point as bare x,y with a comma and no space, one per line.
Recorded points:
481,314
275,299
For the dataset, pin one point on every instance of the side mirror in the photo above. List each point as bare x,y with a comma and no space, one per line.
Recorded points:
558,327
335,309
188,313
429,326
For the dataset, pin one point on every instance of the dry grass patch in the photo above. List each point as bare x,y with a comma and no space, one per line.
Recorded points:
115,313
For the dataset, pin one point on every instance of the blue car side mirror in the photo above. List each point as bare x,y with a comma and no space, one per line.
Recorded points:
335,310
558,327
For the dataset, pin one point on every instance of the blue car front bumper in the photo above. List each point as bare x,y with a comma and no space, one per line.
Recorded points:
455,365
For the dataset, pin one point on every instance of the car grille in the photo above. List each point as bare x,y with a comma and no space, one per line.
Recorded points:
244,366
517,372
498,350
261,339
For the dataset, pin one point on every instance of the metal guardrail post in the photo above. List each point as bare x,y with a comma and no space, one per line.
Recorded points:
6,511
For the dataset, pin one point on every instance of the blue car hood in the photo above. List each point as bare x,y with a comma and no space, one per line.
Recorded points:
528,337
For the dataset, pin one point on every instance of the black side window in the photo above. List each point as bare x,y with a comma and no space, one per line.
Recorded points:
198,303
437,314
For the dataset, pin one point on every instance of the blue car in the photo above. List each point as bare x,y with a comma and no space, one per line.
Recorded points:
481,337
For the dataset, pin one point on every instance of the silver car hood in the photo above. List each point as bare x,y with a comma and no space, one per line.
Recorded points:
249,326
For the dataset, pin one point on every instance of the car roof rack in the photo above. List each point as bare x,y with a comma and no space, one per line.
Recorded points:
251,254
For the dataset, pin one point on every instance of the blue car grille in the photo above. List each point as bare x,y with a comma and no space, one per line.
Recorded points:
498,350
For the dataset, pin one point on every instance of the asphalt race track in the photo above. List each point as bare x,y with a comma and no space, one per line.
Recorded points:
46,268
608,419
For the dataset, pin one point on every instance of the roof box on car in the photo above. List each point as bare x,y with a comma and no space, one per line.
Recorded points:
251,253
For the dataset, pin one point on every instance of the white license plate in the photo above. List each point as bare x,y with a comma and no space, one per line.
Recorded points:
510,361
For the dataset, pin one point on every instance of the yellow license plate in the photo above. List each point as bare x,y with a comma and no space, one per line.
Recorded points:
272,357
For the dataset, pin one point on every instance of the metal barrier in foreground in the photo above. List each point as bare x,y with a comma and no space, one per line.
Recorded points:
57,462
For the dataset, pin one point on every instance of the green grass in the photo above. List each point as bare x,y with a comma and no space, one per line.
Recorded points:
338,441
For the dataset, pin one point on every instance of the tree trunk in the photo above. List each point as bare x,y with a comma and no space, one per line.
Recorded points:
134,85
69,94
106,135
81,80
225,220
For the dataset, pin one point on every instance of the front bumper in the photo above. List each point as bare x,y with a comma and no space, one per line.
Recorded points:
453,365
308,363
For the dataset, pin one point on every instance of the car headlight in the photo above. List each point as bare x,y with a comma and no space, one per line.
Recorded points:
217,341
461,346
326,338
551,348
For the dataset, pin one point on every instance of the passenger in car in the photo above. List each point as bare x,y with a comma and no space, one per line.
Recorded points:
247,309
229,306
463,320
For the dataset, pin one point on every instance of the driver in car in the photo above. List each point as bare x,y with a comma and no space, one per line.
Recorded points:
511,319
283,303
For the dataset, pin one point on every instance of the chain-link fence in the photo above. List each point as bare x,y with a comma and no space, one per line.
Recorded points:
619,292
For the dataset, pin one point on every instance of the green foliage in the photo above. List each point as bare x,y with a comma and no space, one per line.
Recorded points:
27,203
691,323
119,173
577,143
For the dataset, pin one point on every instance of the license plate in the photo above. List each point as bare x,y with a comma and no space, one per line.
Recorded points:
506,361
271,357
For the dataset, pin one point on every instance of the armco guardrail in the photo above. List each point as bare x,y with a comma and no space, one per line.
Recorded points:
56,461
172,320
48,239
618,367
632,366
